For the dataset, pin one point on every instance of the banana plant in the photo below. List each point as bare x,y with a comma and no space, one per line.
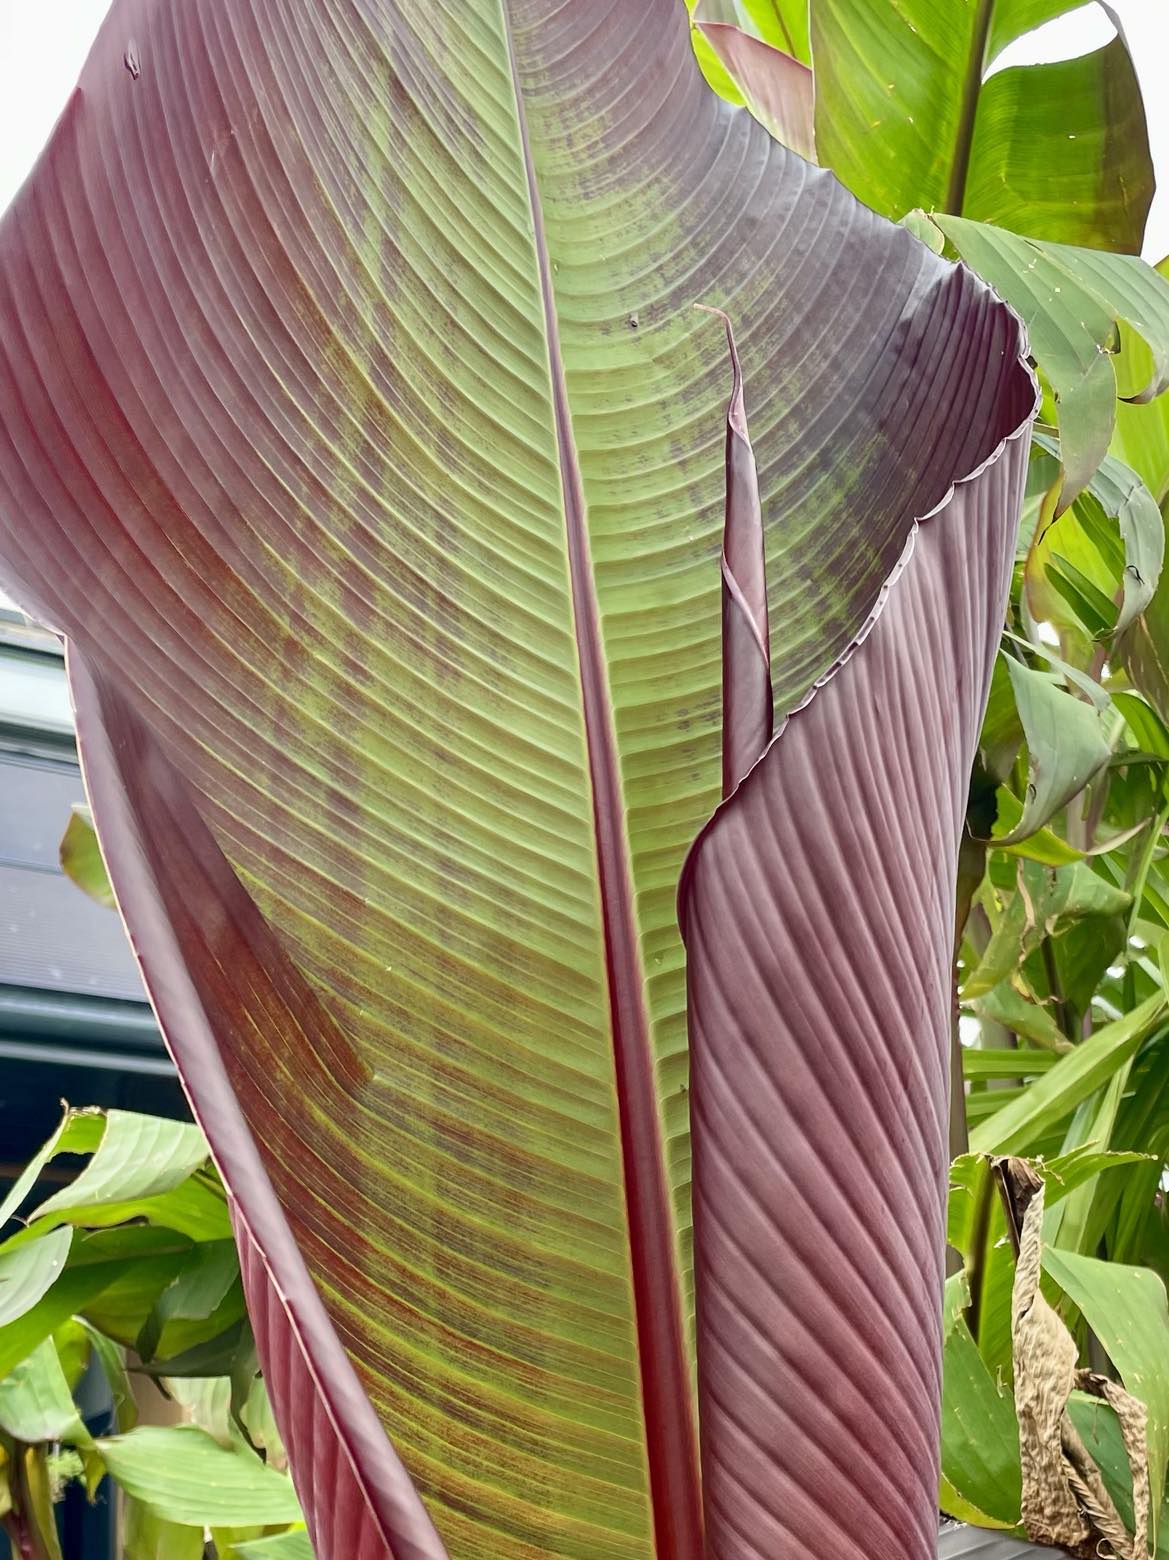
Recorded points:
362,438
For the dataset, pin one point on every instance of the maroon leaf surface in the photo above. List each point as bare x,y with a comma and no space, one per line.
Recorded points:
206,951
358,429
817,910
779,90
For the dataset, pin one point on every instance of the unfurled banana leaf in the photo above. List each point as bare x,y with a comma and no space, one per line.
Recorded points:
912,112
361,434
909,112
819,1001
908,141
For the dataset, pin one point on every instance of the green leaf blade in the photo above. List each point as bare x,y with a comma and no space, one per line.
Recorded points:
1074,1077
1126,1309
183,1476
138,1157
28,1272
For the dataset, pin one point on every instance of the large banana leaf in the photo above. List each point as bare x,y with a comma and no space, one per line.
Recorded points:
910,113
817,910
360,433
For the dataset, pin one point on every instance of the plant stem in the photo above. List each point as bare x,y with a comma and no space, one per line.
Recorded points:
1144,865
783,27
20,1537
976,1266
1055,987
968,109
1137,889
959,1134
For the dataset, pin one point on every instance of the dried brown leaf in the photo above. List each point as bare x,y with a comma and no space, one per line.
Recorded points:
1065,1501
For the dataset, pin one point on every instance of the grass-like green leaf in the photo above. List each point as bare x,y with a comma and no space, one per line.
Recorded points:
1074,1077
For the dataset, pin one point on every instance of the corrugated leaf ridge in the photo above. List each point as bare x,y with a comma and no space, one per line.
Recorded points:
817,908
187,910
666,1393
279,453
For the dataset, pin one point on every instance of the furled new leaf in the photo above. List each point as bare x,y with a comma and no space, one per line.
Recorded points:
360,433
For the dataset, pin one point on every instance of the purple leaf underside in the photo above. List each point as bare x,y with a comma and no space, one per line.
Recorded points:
358,431
817,910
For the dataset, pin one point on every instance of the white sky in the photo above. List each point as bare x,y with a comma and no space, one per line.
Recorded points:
44,42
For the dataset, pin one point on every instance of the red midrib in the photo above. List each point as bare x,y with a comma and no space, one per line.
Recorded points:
667,1405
